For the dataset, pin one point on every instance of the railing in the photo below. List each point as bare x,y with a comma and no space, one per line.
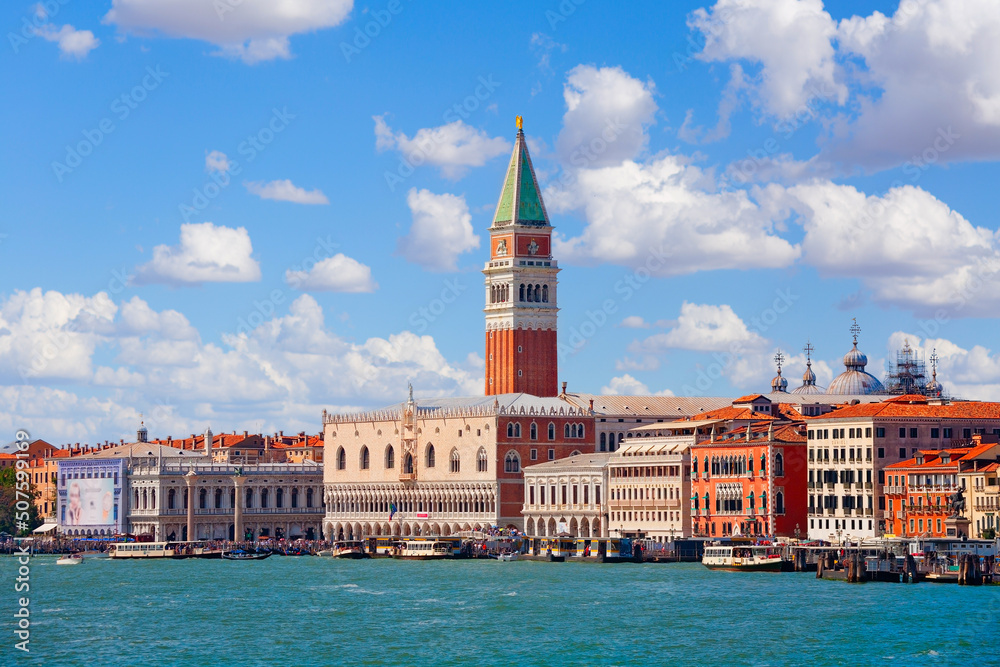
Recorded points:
223,511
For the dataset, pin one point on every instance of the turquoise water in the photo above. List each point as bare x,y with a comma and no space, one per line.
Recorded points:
319,611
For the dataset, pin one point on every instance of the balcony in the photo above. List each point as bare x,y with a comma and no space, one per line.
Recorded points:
830,511
407,476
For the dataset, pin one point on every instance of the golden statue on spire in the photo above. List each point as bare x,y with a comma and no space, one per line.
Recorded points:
519,121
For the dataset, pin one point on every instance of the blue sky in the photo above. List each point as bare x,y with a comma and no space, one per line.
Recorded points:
726,180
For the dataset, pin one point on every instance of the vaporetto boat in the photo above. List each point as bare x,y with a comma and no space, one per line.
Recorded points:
121,550
740,557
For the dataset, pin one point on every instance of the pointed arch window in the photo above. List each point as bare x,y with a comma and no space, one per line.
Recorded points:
552,431
512,462
481,461
455,464
533,431
341,459
779,502
390,457
510,429
779,465
430,455
408,463
517,430
566,431
365,462
763,464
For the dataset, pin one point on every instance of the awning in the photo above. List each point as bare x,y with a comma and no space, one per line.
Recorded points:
45,528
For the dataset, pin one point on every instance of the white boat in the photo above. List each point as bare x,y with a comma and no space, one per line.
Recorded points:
506,558
192,549
349,549
742,558
418,548
70,559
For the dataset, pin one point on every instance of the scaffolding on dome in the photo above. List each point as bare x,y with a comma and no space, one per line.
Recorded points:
910,374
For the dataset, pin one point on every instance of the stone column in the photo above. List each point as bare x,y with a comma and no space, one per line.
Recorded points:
238,508
189,479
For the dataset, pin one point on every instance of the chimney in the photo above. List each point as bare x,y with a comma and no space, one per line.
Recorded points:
245,433
564,389
281,434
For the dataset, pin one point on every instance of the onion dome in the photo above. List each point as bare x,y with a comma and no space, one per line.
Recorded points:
779,384
809,385
855,380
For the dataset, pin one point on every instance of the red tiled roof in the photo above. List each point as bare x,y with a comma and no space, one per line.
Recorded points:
749,398
895,408
733,414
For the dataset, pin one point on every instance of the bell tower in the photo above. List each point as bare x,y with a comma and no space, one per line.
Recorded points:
521,351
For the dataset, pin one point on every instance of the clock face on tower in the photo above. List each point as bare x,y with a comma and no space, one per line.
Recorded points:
532,247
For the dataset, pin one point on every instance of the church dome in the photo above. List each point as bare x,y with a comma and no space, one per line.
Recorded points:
809,385
855,359
779,384
855,380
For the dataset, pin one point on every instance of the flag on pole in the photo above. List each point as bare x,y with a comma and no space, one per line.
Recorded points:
392,510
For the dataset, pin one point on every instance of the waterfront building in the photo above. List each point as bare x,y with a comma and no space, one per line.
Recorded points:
850,446
567,496
649,483
617,417
982,486
918,491
144,488
749,480
445,465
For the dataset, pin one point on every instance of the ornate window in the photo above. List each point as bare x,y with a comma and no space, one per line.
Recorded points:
456,461
512,462
533,431
779,465
510,429
390,457
341,459
482,463
430,455
365,462
552,431
408,463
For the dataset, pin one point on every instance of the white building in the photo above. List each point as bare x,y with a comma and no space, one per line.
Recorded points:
649,488
567,496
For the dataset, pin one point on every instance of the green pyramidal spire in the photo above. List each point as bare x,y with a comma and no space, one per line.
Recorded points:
520,201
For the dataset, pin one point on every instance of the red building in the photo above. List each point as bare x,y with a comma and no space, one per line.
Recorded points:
750,481
521,353
918,491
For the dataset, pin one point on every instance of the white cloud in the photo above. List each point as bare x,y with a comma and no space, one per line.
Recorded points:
931,89
916,88
206,253
789,39
441,230
453,147
607,112
283,371
216,161
73,43
634,322
339,273
251,30
705,328
285,190
907,246
665,217
626,385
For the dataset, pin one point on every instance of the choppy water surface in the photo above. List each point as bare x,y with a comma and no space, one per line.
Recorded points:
319,611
